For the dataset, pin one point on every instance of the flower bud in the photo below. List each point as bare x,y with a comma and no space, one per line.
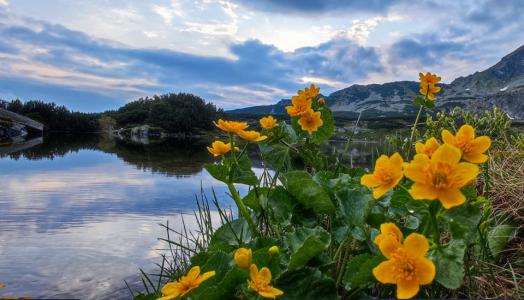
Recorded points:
243,257
322,101
274,250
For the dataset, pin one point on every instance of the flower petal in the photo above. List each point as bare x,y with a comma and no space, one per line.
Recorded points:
193,273
385,272
370,180
447,154
205,276
388,246
253,272
425,270
451,197
380,191
416,169
421,191
481,144
171,289
382,162
389,230
475,157
448,137
270,292
396,161
407,288
466,133
416,245
265,275
464,173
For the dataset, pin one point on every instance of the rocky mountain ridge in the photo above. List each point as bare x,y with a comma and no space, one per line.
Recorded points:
501,85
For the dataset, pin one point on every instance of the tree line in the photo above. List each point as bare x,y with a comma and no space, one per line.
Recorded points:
178,113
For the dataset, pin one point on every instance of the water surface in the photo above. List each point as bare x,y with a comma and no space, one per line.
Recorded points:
80,214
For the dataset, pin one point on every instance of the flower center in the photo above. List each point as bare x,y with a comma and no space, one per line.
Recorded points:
404,266
385,175
465,146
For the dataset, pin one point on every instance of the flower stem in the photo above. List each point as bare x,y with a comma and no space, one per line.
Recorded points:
242,209
433,211
413,130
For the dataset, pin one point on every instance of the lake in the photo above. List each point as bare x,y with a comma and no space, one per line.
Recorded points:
81,214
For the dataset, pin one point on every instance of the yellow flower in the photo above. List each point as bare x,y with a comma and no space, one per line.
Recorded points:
311,92
251,136
472,148
231,126
407,266
273,250
441,176
322,101
2,286
300,105
427,85
185,284
261,283
428,148
310,121
268,122
243,257
387,174
219,148
389,231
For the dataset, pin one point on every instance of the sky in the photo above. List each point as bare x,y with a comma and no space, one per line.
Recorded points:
100,54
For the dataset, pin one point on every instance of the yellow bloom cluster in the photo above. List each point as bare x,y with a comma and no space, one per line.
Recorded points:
310,120
260,280
219,148
436,170
407,265
428,86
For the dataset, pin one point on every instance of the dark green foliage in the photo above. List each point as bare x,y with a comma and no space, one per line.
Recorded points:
173,112
54,117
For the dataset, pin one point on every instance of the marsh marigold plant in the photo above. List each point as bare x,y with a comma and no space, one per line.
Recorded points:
308,226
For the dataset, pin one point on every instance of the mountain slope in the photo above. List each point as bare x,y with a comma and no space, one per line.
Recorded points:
501,85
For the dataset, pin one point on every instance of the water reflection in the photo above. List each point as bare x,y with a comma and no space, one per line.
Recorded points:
79,214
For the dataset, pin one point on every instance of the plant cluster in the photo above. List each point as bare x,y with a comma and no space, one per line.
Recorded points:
311,228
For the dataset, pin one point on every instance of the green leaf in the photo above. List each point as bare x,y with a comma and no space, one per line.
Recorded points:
229,170
230,235
304,244
306,284
402,205
463,221
359,271
449,262
281,205
218,171
498,238
418,101
355,205
311,156
241,171
275,155
325,131
309,193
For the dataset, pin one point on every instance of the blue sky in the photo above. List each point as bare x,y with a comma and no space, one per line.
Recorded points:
97,55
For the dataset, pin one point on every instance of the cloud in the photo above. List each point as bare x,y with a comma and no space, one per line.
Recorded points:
46,58
317,6
425,50
4,2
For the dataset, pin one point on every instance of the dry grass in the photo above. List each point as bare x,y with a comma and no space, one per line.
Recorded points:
503,277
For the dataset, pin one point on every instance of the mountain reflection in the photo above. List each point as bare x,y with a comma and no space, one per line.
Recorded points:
168,157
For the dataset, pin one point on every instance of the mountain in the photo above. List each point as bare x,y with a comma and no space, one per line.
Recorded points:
501,85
